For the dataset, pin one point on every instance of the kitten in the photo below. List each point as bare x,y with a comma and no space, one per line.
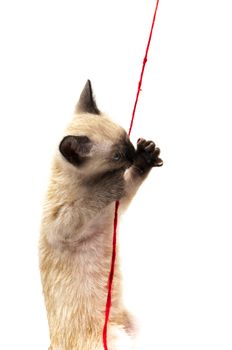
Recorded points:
94,166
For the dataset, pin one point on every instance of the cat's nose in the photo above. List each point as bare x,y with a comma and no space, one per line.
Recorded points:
130,152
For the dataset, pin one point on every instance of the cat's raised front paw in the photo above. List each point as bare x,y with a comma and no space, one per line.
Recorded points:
147,155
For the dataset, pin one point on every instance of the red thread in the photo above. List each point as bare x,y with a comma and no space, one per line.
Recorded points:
111,274
111,277
143,68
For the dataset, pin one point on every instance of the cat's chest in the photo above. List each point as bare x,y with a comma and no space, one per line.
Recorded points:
102,224
93,254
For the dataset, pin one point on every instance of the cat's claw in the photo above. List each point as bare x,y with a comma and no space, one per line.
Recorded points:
147,155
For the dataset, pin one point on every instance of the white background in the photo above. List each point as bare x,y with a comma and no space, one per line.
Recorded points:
176,237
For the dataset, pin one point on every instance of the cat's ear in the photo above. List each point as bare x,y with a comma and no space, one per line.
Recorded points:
87,103
75,148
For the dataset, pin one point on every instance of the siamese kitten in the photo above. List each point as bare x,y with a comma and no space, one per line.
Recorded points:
94,166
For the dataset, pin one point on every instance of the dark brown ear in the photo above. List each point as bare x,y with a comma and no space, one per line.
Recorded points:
75,148
87,103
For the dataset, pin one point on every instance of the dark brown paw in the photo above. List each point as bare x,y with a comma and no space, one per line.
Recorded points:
147,155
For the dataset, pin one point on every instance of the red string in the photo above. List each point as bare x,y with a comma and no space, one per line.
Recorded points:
111,277
114,243
143,68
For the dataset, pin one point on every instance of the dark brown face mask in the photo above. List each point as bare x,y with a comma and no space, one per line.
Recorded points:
129,151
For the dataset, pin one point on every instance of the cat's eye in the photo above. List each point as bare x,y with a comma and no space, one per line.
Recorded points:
117,156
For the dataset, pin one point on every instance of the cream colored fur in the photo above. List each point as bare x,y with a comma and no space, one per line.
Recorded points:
76,248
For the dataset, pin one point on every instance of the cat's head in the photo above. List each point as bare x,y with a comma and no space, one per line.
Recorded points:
94,143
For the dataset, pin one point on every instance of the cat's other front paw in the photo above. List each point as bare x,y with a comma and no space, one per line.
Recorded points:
147,156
